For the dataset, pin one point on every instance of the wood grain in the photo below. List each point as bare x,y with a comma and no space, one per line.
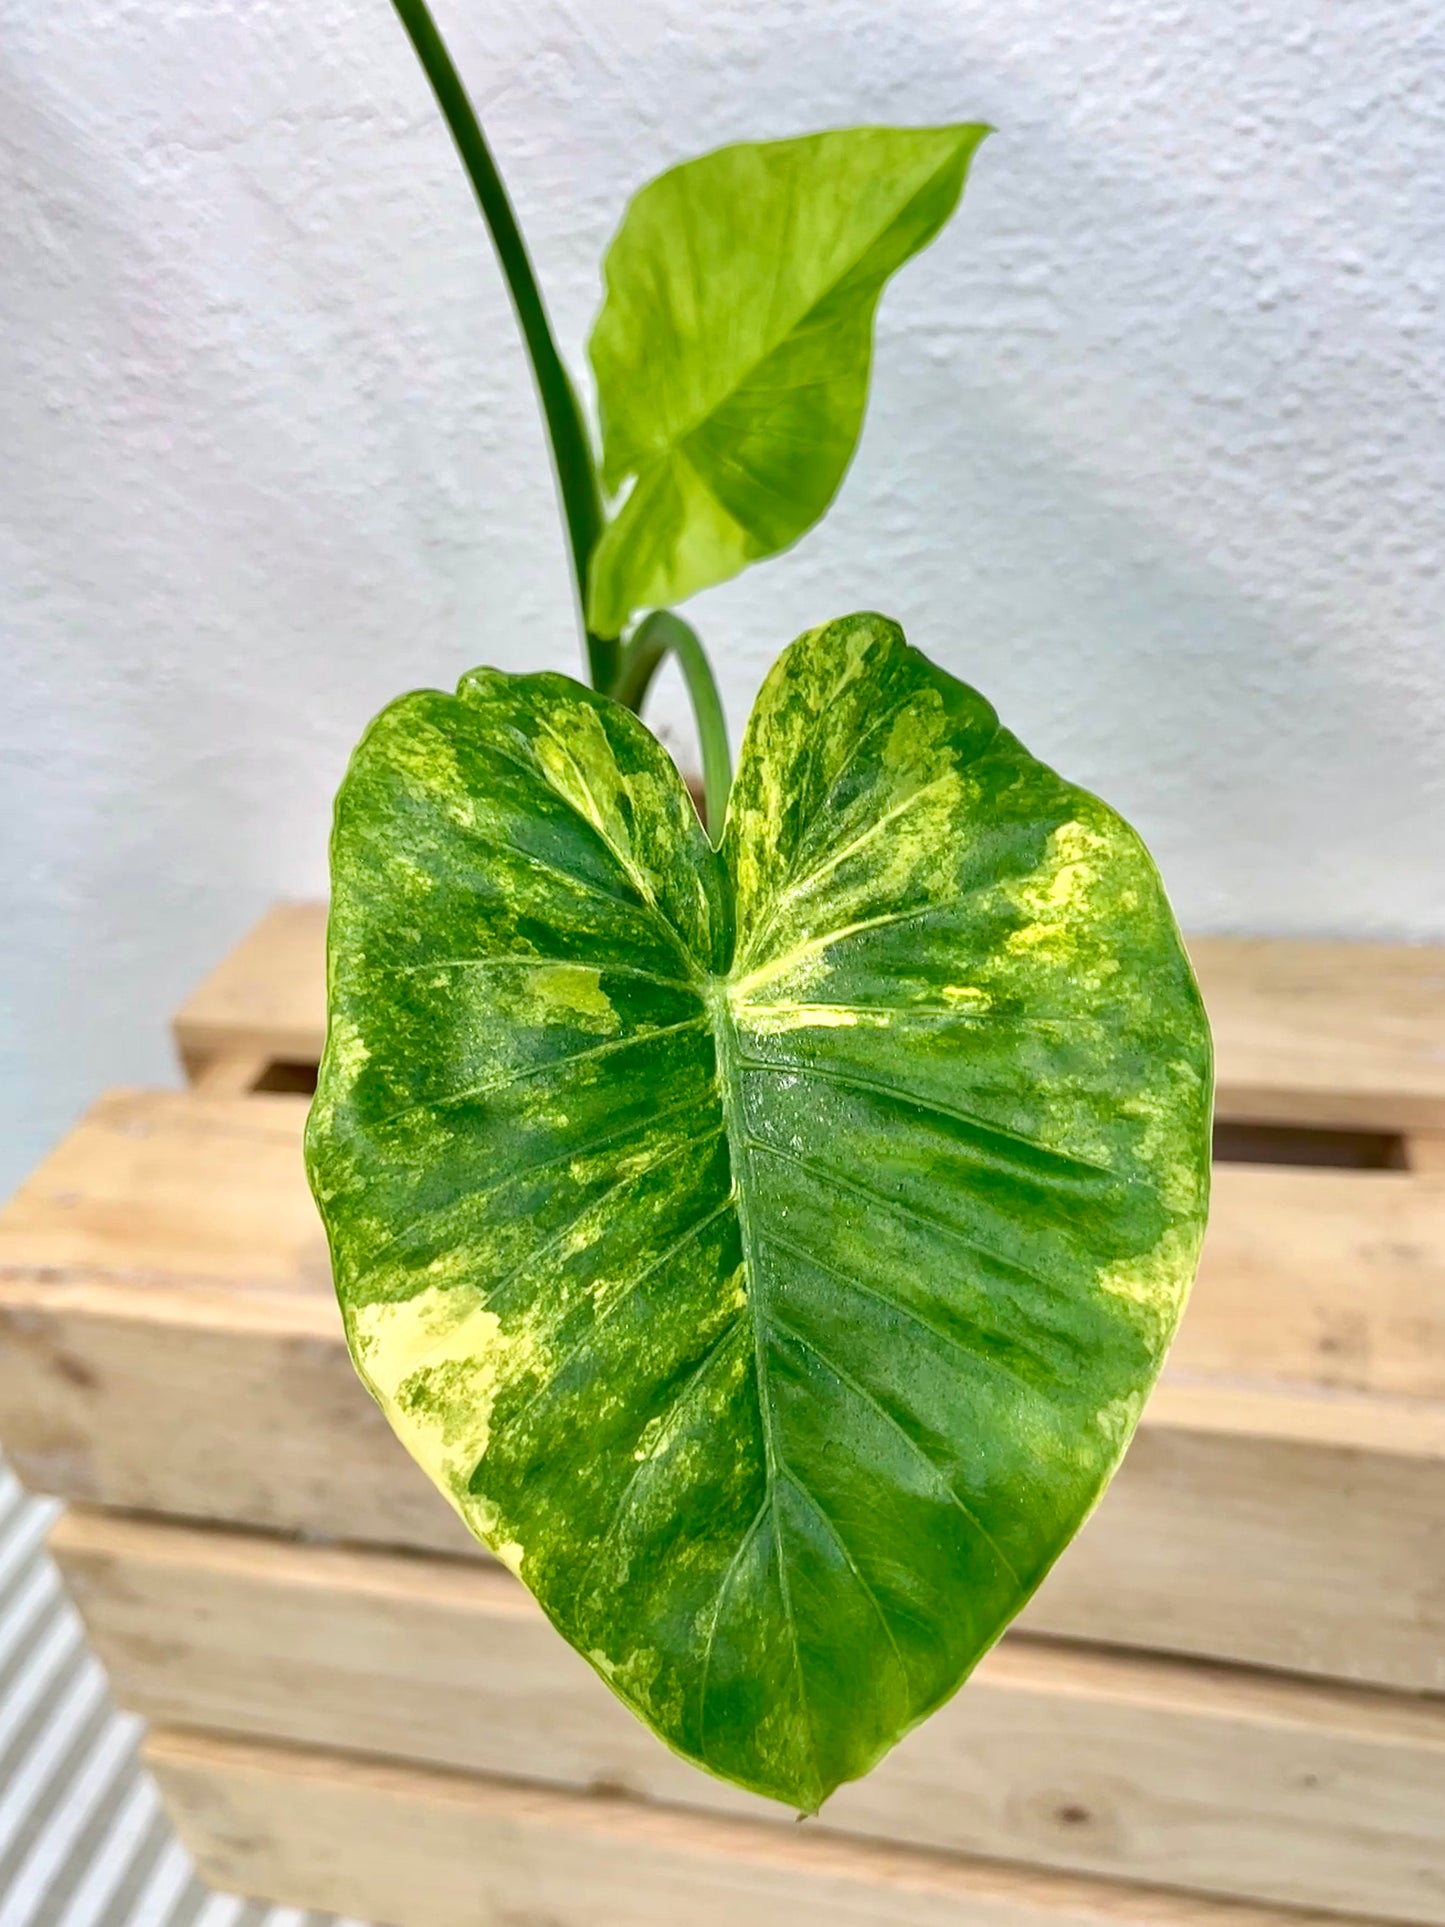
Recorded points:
1326,1033
1320,1278
1332,1279
1204,1777
1275,1551
1215,1539
1330,1034
169,1343
173,1188
428,1849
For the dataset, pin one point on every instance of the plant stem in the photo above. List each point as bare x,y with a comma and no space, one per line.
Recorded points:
571,449
657,636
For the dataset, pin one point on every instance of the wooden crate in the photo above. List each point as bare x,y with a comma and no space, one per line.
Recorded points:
388,1727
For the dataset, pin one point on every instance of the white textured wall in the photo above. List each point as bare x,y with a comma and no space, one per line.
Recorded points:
1155,454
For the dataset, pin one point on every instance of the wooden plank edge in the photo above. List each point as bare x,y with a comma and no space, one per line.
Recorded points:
423,1848
228,1073
1298,1106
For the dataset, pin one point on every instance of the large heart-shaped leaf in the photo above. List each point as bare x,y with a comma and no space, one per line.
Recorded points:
732,349
767,1251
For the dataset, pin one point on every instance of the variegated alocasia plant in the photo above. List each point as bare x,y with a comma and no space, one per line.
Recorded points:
766,1242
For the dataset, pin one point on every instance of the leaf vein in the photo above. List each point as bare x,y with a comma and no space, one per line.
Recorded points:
490,1089
724,1588
593,815
646,1466
805,1491
874,1087
647,907
898,1207
940,1477
738,1143
887,919
802,884
621,1296
602,1143
901,1306
520,960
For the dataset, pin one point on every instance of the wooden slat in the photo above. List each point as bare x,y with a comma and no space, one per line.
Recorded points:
173,1188
1209,1778
169,1342
1342,1034
1318,1556
1326,1033
205,1406
426,1849
268,995
1331,1279
1319,1278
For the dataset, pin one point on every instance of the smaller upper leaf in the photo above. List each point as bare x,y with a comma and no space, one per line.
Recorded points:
732,350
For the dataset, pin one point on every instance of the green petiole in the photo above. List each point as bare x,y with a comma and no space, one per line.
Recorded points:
571,446
623,672
657,636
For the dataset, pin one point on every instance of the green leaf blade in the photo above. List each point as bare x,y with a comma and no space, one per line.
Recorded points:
733,346
768,1251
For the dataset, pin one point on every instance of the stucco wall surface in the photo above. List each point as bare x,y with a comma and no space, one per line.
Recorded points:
1155,452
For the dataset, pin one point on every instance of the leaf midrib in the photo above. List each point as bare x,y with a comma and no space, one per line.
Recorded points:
729,1060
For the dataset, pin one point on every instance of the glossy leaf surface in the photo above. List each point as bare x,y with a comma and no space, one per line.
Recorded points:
732,349
767,1251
